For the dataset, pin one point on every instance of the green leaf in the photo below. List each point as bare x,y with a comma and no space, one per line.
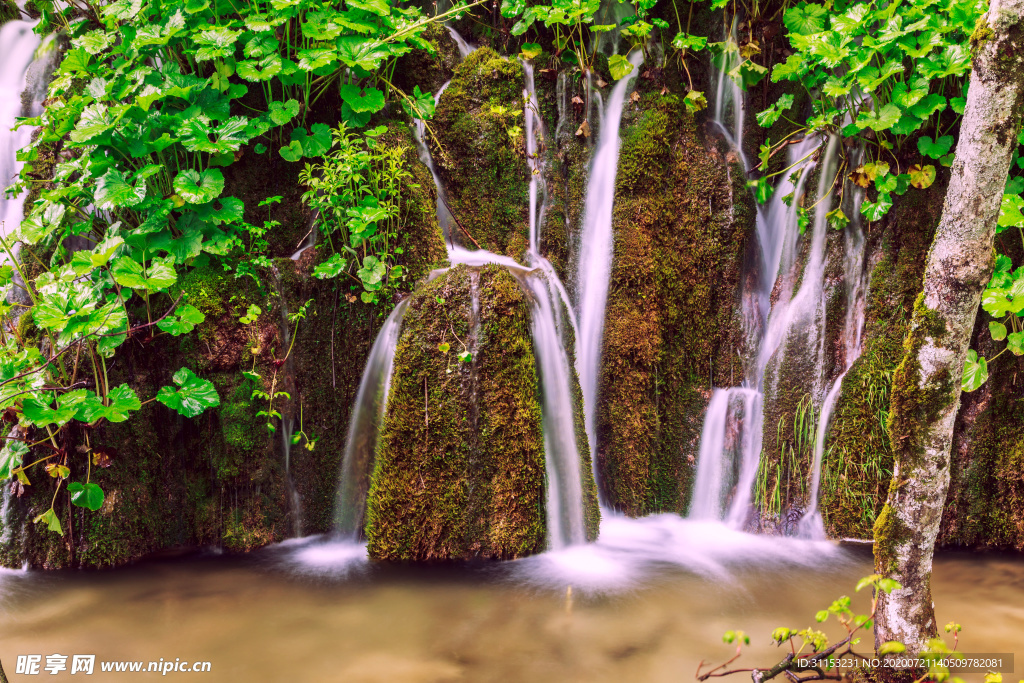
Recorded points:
619,67
685,41
371,273
928,106
262,69
113,191
193,397
199,187
362,99
49,518
878,121
184,320
934,148
128,272
875,211
1011,211
121,402
907,95
770,115
892,648
215,43
997,330
12,456
421,105
1015,343
805,19
41,414
332,267
975,371
94,121
379,7
86,495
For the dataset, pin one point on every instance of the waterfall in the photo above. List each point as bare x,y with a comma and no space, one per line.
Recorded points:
561,451
364,428
595,259
464,48
855,275
18,46
731,439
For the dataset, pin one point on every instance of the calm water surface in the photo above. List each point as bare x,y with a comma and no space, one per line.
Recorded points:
649,601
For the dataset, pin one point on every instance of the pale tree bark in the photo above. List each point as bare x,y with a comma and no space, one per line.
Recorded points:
926,385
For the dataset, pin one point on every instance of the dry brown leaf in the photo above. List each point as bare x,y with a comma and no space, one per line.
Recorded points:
584,129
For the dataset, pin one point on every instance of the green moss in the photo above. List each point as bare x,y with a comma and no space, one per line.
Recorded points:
480,152
460,464
889,532
670,332
8,11
858,459
982,34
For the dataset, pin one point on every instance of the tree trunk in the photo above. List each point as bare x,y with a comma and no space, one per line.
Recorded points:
926,385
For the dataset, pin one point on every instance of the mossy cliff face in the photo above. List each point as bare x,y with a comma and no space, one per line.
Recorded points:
460,465
985,504
480,153
171,482
681,228
858,458
220,479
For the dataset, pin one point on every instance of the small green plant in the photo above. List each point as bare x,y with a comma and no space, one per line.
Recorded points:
357,192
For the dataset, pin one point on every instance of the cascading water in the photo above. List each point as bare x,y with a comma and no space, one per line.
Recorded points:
793,319
18,47
364,428
594,266
856,278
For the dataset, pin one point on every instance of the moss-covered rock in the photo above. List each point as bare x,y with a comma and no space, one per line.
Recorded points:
8,11
857,463
460,466
479,151
682,223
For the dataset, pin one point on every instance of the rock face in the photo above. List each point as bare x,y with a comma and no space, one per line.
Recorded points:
480,154
460,467
683,222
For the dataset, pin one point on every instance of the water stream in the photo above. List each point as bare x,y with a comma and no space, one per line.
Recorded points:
18,49
594,265
780,318
364,428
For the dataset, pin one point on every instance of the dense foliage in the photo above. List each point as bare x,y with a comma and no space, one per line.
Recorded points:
150,102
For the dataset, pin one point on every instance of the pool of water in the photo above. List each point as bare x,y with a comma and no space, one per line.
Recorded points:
648,602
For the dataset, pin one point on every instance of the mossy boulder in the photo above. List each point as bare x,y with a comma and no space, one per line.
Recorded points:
683,221
480,153
460,468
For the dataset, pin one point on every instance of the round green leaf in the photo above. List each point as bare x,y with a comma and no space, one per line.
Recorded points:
199,187
86,495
